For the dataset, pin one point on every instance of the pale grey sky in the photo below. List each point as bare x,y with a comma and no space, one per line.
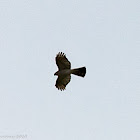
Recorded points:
104,36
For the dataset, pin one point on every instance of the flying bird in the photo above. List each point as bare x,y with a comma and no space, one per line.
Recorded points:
64,71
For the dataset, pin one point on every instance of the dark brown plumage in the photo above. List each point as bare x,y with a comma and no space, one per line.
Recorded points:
64,71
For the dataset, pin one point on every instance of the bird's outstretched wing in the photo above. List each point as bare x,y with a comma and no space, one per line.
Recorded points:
62,62
61,82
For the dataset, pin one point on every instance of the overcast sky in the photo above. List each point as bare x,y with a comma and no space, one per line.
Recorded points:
104,36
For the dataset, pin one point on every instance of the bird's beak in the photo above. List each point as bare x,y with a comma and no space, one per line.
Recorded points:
54,74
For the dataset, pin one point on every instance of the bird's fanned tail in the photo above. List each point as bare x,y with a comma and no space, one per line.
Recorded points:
79,71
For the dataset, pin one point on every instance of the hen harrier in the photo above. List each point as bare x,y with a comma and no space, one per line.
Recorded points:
64,71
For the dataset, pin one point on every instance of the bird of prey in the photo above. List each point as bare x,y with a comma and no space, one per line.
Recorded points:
64,71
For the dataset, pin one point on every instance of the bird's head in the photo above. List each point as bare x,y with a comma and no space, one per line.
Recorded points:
56,73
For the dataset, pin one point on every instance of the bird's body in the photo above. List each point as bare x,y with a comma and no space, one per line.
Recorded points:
64,71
